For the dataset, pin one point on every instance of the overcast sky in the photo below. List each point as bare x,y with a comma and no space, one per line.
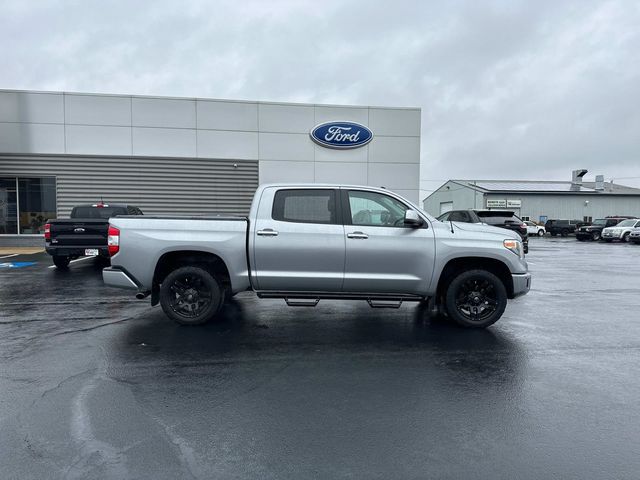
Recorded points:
508,89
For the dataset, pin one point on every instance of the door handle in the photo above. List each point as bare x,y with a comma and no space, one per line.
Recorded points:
358,235
267,232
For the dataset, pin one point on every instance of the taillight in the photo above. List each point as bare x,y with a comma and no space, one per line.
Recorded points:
47,231
113,240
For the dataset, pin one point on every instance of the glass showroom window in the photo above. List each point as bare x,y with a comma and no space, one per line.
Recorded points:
8,206
36,203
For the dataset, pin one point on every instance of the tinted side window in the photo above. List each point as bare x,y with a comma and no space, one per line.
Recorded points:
444,217
460,216
305,206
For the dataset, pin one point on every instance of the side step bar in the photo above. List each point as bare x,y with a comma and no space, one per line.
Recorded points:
299,302
311,299
384,303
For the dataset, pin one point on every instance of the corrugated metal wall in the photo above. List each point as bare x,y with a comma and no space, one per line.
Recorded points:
156,185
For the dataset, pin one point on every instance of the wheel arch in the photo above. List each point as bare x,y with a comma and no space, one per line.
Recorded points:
171,260
458,265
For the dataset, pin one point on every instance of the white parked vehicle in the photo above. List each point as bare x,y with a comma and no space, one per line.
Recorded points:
634,236
535,229
621,231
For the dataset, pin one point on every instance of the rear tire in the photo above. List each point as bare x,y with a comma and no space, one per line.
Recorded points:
476,299
541,233
190,296
61,262
564,233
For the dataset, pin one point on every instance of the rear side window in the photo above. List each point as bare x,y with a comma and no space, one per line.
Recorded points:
305,206
131,210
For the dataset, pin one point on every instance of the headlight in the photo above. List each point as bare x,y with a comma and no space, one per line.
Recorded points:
515,246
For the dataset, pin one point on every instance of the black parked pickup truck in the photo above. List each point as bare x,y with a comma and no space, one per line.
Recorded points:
84,234
496,218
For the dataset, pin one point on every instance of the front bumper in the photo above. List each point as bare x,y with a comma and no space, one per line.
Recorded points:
116,277
521,283
611,235
588,235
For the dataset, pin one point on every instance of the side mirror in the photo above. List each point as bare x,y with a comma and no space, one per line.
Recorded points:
412,218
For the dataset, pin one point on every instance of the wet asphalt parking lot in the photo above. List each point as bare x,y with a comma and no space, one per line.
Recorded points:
96,384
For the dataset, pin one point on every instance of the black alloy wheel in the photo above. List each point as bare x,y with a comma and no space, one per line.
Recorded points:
476,298
190,296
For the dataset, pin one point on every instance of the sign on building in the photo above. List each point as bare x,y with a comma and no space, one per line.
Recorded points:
514,203
491,203
341,135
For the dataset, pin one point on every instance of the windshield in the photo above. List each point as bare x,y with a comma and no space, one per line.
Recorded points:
627,223
600,221
97,212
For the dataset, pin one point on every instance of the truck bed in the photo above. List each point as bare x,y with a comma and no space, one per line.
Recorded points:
144,240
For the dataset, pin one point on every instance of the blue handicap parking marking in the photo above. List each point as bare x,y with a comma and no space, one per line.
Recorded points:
16,264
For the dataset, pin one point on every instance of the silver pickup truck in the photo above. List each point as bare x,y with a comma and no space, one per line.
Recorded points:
309,242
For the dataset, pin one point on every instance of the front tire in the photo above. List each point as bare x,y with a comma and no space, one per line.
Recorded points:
476,299
625,237
190,296
61,262
595,236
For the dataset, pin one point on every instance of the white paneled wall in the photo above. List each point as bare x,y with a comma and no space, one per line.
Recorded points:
274,134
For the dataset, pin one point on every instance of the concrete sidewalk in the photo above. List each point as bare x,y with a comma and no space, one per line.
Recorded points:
20,250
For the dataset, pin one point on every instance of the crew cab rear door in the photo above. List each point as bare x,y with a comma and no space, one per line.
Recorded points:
298,240
383,255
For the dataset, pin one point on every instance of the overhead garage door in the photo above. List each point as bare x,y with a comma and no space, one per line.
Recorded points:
446,207
156,185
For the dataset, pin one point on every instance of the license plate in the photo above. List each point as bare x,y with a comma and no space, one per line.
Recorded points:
91,252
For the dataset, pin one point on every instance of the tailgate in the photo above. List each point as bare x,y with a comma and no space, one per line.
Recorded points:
79,232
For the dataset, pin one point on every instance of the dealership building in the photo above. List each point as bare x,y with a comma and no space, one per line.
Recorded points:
186,155
538,200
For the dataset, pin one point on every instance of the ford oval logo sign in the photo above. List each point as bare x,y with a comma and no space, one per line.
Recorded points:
341,135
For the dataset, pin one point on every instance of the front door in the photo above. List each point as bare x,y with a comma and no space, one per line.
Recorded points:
299,241
382,254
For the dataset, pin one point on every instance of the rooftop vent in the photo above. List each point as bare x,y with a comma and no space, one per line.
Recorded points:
576,179
576,176
600,183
